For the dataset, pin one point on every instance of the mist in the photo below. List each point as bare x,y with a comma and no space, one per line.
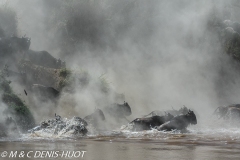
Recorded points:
159,54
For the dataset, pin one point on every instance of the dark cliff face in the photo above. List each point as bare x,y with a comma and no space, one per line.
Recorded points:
45,59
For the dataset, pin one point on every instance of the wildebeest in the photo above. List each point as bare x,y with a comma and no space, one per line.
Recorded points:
95,118
8,128
221,112
226,112
45,59
233,114
183,110
150,122
25,92
11,124
119,110
179,122
3,130
154,113
45,92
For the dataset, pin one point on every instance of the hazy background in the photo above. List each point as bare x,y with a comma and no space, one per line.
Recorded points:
159,54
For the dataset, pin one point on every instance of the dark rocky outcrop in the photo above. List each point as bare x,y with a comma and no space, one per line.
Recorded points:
45,59
45,92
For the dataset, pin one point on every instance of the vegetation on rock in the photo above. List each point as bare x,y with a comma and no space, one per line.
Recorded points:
16,107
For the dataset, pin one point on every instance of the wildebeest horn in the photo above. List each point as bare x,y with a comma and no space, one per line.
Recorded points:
173,108
147,114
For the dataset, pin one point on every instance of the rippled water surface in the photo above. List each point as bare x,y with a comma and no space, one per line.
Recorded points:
123,145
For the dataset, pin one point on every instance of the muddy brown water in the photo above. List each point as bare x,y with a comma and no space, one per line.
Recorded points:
210,144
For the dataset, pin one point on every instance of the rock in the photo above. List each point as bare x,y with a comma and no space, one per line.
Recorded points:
45,59
45,92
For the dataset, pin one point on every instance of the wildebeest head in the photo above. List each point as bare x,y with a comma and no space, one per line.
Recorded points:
119,110
191,117
100,114
126,109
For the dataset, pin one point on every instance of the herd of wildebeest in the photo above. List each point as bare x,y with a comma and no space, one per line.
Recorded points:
170,120
159,120
174,119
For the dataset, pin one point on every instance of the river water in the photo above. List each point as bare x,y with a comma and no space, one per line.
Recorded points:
217,143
